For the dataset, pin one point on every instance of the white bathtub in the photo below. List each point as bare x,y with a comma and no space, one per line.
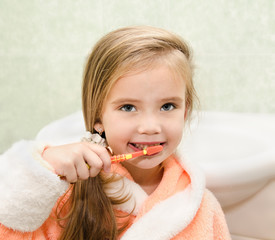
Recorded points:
237,153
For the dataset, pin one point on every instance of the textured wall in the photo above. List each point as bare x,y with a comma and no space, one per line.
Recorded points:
44,44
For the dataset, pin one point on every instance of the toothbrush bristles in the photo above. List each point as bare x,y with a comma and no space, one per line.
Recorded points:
154,149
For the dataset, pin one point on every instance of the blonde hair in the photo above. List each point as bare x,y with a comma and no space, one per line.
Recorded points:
117,53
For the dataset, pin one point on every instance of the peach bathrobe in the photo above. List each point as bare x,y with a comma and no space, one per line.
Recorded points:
180,207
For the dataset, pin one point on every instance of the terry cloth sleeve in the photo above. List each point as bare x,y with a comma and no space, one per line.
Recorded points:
220,228
28,189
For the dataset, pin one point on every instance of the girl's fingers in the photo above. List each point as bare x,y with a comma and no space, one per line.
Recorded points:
72,177
89,163
92,163
82,170
78,160
69,173
94,170
102,155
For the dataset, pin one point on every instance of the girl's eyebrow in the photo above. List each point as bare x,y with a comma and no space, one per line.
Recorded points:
125,100
172,99
133,100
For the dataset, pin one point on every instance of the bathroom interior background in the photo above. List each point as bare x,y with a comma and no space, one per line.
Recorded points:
44,45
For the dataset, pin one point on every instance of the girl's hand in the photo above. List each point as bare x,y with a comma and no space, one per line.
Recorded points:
70,160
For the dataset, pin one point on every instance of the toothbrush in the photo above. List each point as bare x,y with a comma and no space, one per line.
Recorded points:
148,151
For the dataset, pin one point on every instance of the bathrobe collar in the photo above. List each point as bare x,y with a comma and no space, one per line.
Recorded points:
166,217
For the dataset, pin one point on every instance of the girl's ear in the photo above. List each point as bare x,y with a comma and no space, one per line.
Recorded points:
99,127
185,114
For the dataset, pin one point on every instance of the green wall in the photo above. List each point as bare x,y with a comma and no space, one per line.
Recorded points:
44,44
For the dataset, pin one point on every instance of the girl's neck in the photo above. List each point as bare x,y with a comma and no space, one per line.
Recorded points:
148,179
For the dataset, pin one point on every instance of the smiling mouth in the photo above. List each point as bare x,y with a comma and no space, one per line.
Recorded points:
139,146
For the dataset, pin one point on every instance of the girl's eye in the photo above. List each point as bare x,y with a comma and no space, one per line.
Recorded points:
128,108
167,107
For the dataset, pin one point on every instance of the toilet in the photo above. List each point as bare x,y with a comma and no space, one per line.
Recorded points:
236,151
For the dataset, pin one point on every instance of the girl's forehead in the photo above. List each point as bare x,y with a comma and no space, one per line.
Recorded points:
175,65
138,69
159,79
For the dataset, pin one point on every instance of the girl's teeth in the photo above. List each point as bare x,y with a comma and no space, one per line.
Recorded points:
144,146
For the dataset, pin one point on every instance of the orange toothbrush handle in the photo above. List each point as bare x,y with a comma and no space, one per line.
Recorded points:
123,157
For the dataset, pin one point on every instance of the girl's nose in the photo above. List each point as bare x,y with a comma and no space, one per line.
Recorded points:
149,125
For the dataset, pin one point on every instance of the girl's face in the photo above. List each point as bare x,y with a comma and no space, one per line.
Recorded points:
144,109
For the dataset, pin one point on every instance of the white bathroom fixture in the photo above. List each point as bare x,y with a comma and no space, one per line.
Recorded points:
237,153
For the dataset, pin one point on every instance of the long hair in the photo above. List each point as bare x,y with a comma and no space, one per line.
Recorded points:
92,215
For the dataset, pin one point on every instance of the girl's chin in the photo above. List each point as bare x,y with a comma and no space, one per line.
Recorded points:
144,162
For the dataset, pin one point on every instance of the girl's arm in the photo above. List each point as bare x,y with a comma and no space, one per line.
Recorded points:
28,189
29,186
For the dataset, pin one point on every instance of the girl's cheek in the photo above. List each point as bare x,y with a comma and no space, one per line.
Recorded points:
177,131
117,137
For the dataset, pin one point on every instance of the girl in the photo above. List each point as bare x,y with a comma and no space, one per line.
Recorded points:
137,92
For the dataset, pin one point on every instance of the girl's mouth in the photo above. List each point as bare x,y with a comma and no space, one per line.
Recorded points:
141,146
